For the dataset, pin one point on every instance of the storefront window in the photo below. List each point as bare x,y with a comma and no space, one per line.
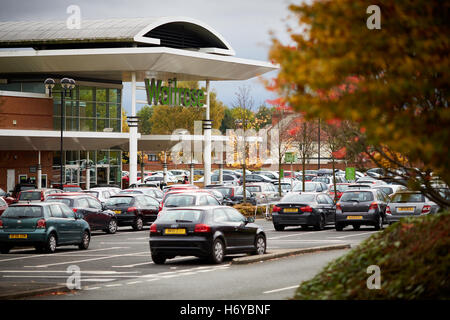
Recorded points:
86,124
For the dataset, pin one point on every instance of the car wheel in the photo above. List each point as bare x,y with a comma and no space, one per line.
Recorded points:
278,227
320,224
356,226
260,245
50,246
158,259
218,251
5,249
112,226
339,227
85,240
379,223
138,224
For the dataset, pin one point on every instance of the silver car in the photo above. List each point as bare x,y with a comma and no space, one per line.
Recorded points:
311,186
264,192
409,203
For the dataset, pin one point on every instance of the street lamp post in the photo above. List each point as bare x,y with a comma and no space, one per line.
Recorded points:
67,85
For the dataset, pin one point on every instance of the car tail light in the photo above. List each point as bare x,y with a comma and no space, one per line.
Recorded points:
153,228
232,192
131,209
276,209
338,208
74,209
1,224
202,228
388,210
41,224
42,196
426,209
373,206
306,209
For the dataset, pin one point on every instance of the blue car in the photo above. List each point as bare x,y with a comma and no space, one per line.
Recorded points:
44,226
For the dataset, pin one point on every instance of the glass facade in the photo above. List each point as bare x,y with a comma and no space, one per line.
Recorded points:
89,109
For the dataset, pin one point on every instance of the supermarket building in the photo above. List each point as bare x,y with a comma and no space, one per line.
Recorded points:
100,57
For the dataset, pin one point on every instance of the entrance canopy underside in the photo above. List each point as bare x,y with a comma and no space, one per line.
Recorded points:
42,140
117,64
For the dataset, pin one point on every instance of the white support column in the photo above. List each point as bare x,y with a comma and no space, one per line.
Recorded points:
39,171
165,168
221,173
133,133
88,172
207,137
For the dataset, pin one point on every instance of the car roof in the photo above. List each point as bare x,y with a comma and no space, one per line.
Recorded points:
70,195
31,204
203,208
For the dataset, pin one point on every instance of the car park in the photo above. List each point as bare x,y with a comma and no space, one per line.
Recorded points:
311,186
152,192
285,186
133,210
390,189
101,194
227,179
269,174
206,232
409,203
90,209
250,178
43,225
361,207
340,188
233,194
303,209
35,195
264,192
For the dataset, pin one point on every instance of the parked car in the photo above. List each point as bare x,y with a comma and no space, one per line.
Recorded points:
43,225
188,198
308,177
369,180
269,174
303,209
90,209
409,203
264,192
36,195
390,189
152,192
227,179
235,194
285,187
361,207
133,210
3,206
207,232
22,187
143,185
67,187
340,188
250,178
311,186
173,187
6,196
217,194
376,173
101,194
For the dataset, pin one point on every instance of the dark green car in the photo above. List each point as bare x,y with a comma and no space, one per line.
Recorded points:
42,225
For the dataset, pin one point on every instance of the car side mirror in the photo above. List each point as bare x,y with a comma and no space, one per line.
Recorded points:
249,220
78,216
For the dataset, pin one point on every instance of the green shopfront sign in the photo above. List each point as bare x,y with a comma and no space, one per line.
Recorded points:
171,95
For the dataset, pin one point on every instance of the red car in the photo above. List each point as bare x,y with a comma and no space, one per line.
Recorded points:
340,188
3,205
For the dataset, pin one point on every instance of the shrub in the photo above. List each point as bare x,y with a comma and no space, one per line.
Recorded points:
413,256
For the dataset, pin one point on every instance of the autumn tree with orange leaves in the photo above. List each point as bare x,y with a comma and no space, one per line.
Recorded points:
393,81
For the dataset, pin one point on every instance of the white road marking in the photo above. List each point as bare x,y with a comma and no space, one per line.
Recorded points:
92,288
85,260
297,235
97,280
281,289
308,240
57,254
351,235
114,285
133,265
99,272
134,282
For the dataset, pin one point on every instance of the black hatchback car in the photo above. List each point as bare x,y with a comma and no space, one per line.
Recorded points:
206,232
303,209
133,209
361,207
90,209
234,194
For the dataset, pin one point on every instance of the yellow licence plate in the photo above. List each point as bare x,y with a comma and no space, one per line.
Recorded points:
354,217
175,231
18,236
405,209
290,210
117,211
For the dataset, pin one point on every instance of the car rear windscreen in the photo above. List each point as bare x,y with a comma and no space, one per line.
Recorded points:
308,187
60,200
30,195
253,188
179,200
360,196
23,212
116,201
180,216
296,197
72,189
408,197
339,187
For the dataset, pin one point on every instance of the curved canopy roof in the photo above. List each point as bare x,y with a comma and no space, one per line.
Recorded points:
172,32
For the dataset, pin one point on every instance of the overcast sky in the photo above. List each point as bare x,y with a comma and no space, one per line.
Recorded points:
245,24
